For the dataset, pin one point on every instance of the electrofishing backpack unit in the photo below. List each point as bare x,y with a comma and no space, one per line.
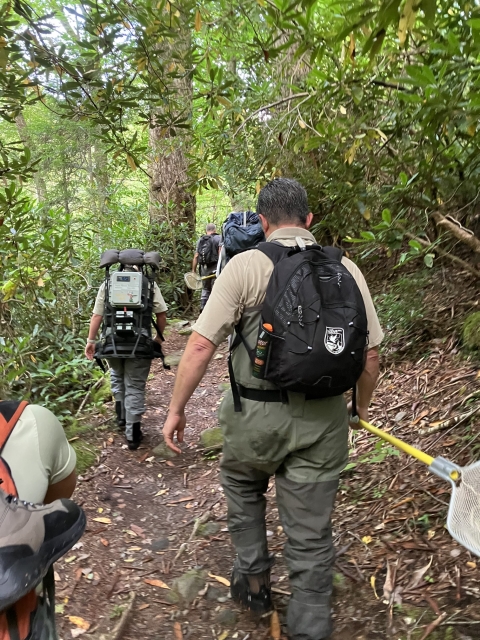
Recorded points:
33,616
241,231
128,320
313,334
207,250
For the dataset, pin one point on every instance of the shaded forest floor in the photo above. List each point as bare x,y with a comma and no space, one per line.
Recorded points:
398,573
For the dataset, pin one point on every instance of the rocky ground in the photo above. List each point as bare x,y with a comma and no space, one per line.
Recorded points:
156,557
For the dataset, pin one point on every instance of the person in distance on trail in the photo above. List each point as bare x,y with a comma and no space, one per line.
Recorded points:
206,255
37,465
126,340
297,427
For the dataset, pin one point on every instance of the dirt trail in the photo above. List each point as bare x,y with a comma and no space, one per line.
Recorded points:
141,509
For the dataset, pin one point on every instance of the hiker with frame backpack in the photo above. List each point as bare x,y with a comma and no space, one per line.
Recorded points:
206,257
304,331
124,307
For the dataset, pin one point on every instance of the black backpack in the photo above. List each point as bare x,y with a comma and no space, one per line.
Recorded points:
319,338
207,250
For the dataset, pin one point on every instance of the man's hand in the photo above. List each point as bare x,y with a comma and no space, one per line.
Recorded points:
362,414
89,350
157,339
174,423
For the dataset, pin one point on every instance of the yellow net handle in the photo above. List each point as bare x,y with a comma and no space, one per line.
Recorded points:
403,446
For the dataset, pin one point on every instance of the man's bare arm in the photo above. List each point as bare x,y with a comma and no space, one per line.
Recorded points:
367,382
62,489
195,262
194,363
162,320
95,323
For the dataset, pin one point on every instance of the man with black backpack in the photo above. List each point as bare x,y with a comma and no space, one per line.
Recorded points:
305,330
206,255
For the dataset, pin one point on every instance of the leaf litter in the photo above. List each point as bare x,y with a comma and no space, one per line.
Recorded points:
386,509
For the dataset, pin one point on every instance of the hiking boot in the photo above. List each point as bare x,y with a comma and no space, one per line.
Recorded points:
32,537
252,592
137,437
120,421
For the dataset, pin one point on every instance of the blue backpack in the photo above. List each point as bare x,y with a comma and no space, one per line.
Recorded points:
241,231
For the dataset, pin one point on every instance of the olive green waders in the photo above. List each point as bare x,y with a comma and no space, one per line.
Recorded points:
304,444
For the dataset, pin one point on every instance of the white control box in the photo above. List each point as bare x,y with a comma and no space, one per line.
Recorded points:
126,289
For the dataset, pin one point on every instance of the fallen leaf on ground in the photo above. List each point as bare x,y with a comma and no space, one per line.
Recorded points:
367,539
143,606
224,635
418,576
169,463
103,520
372,584
162,492
275,630
421,416
104,542
156,583
79,622
138,530
177,630
220,579
77,632
70,559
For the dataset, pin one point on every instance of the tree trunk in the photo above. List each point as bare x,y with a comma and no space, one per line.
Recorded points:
170,198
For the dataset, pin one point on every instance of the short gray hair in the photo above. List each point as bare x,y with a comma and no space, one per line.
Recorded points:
211,227
283,200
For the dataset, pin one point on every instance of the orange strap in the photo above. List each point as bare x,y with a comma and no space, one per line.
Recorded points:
8,422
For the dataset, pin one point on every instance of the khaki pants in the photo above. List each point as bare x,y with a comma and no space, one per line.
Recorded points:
304,444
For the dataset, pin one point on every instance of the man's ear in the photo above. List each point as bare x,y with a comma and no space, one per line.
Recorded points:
308,221
265,225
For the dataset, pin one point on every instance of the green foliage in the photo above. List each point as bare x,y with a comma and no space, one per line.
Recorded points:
471,331
372,105
380,452
401,310
79,437
175,244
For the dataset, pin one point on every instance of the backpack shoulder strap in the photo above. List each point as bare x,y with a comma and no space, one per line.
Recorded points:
334,253
10,412
274,250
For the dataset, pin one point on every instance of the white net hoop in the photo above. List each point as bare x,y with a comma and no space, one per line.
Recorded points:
193,281
463,522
